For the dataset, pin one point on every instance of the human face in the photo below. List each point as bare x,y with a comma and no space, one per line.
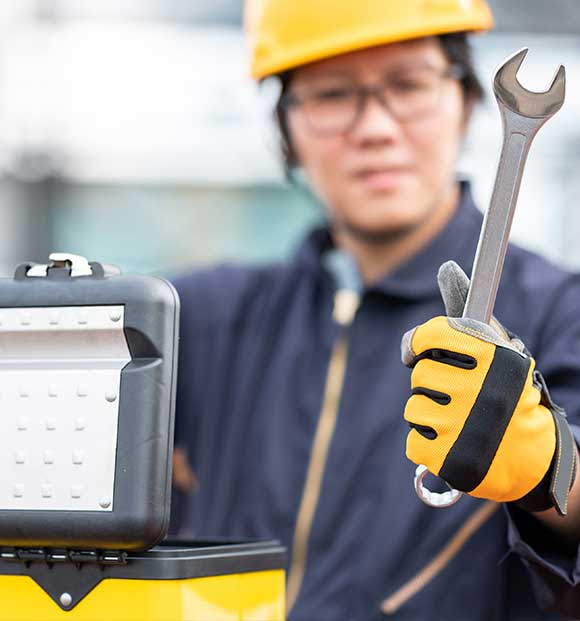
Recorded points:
382,177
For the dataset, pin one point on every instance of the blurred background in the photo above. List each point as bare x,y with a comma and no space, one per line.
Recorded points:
130,133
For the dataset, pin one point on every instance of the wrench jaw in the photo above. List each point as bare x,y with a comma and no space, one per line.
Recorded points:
511,94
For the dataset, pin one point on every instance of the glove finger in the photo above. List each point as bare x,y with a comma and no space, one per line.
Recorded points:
444,341
424,412
429,418
430,453
460,384
454,286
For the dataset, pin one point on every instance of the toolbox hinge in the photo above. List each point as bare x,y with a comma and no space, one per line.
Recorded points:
61,555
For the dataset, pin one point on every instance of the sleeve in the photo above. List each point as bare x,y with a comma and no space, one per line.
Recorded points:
212,305
189,289
556,347
188,378
554,569
212,302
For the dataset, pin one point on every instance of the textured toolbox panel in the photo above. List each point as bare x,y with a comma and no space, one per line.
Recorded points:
60,374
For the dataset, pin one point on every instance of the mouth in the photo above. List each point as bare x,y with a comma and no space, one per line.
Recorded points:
380,179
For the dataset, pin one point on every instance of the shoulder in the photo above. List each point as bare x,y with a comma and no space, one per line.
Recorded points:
532,275
539,295
214,296
232,294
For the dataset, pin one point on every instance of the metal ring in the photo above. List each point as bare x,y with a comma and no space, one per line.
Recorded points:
434,499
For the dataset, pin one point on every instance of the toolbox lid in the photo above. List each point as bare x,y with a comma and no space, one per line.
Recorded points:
176,559
88,369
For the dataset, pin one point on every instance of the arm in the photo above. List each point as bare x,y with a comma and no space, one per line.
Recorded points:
565,527
493,434
558,355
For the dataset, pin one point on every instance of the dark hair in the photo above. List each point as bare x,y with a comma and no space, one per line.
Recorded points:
457,50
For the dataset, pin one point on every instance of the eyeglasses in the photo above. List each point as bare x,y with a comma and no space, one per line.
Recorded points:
335,107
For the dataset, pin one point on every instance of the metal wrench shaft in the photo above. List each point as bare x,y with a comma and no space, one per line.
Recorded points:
491,249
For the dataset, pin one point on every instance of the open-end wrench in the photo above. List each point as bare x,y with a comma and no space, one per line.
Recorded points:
523,113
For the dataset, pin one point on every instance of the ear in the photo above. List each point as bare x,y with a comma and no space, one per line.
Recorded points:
469,103
285,139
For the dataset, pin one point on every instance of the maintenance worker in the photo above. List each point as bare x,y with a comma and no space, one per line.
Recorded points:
291,390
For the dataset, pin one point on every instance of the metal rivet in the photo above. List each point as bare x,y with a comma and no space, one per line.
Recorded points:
25,319
82,318
82,390
52,390
46,491
17,490
53,318
76,491
66,599
78,458
115,315
80,424
20,457
105,502
22,424
50,424
48,457
111,396
24,391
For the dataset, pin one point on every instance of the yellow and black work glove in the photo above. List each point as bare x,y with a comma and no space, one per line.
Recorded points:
481,416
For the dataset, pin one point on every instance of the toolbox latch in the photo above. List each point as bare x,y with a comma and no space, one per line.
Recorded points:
65,575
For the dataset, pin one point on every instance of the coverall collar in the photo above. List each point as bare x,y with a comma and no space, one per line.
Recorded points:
416,279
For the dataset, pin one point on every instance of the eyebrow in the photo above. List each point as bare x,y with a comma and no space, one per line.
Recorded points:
398,68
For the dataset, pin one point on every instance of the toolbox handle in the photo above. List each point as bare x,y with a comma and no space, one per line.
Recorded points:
64,265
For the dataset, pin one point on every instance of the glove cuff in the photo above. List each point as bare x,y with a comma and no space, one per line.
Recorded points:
553,489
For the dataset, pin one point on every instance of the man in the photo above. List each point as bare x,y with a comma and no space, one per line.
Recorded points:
291,388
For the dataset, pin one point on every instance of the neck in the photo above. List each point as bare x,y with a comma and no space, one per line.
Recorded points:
376,259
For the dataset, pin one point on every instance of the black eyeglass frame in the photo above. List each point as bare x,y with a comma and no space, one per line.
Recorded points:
290,100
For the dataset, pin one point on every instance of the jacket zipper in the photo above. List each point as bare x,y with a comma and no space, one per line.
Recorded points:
346,303
475,521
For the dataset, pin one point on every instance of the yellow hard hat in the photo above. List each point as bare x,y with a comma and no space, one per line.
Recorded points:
284,34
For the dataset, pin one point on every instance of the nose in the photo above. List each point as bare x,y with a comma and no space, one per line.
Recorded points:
376,124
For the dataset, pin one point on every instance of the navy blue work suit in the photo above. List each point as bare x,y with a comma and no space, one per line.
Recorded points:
255,347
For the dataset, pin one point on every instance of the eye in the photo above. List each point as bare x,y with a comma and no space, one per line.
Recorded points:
410,84
332,94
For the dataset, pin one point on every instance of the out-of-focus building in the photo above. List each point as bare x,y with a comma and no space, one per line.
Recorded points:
130,132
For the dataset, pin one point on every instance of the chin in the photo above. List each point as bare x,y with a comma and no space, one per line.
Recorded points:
379,233
379,221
